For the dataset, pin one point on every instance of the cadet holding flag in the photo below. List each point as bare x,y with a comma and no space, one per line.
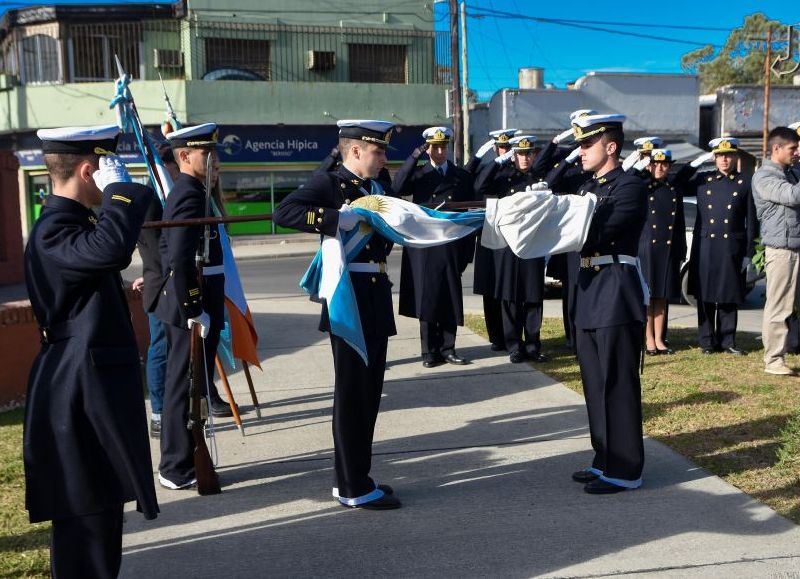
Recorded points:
85,444
430,278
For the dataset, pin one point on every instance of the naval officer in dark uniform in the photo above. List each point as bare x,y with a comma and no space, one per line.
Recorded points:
183,301
322,206
483,271
430,278
85,439
518,283
610,310
723,243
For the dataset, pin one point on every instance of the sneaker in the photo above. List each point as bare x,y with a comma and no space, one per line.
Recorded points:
779,370
155,428
168,484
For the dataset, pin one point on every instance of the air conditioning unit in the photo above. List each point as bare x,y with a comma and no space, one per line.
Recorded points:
321,60
167,58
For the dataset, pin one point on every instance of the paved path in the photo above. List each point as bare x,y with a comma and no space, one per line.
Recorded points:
481,457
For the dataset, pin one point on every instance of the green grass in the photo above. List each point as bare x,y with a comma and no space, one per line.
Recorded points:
24,548
722,412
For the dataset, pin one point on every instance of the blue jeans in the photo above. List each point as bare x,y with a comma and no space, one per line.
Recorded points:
156,363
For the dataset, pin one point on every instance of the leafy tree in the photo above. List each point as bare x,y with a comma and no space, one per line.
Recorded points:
741,59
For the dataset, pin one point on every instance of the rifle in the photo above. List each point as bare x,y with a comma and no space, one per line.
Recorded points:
207,479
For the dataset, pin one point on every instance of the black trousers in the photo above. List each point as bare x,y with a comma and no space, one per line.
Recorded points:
569,321
87,546
522,325
356,400
494,320
177,444
609,362
437,338
716,324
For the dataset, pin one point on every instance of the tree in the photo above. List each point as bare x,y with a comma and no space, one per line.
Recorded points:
741,59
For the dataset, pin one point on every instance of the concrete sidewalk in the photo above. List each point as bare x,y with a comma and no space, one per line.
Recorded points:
481,457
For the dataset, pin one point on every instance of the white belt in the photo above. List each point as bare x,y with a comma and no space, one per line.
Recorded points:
214,270
362,267
597,261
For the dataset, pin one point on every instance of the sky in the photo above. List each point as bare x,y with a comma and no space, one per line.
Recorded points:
499,45
503,35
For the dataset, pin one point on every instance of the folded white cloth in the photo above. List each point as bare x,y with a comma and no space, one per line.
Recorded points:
538,223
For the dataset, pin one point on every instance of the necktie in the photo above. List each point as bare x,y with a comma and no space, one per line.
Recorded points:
441,171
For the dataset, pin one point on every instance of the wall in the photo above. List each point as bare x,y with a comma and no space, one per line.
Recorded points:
739,109
11,248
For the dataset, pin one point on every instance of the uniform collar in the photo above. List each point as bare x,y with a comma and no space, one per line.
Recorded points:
60,203
609,176
720,175
353,178
443,166
194,181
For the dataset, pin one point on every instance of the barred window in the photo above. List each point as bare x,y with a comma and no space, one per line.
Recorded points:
40,59
92,51
239,54
377,63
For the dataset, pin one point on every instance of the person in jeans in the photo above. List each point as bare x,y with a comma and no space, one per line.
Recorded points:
776,194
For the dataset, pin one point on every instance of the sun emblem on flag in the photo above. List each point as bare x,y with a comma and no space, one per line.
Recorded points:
374,203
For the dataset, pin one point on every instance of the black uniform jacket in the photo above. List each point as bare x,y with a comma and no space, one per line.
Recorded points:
515,279
181,295
334,160
611,295
313,208
148,245
86,447
724,233
430,278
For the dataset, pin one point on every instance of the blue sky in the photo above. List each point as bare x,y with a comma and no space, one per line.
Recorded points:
498,47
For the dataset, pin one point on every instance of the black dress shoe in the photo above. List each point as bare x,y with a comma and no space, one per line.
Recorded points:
667,352
220,409
432,361
584,476
652,352
517,357
385,503
536,357
498,347
455,359
708,351
387,490
601,487
734,351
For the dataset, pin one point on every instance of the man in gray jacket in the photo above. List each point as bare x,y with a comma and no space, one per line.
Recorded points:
776,194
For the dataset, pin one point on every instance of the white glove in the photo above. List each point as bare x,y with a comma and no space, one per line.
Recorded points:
745,263
112,170
631,160
540,186
702,159
504,158
348,218
573,155
563,136
485,148
642,163
205,323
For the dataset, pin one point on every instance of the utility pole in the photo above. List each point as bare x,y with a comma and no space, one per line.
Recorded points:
458,135
464,81
767,81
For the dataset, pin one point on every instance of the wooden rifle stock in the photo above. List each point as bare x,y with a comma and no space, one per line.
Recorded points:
207,480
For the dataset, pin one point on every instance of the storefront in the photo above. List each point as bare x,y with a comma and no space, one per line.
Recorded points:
259,166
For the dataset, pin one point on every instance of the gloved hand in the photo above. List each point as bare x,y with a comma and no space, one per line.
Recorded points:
348,218
745,263
573,155
642,163
702,159
485,148
112,170
540,186
423,148
505,157
205,323
563,136
631,160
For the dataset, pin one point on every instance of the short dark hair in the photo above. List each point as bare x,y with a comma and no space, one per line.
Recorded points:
165,153
614,136
781,136
61,166
345,143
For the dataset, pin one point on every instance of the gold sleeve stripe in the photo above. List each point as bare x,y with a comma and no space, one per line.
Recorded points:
120,198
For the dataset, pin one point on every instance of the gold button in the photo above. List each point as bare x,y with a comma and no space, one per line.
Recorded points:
709,206
735,193
726,221
512,190
670,227
366,246
712,235
321,210
653,212
165,292
709,178
319,219
711,221
374,280
708,192
613,243
674,199
725,236
652,198
597,268
449,196
740,181
729,206
654,241
669,242
654,225
342,185
673,213
347,201
596,254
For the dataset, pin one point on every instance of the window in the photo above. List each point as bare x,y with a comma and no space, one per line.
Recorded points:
238,53
377,63
40,59
93,50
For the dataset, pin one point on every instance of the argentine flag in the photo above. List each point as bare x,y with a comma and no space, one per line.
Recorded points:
399,221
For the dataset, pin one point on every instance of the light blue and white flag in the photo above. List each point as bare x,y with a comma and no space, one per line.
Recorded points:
399,221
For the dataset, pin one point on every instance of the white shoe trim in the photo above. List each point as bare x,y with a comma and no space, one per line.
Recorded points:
166,483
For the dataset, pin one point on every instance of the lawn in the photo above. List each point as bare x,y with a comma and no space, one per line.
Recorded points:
722,412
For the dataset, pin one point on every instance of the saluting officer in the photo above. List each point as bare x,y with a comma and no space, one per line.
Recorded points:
430,278
184,300
518,283
723,244
483,272
322,206
610,310
640,158
334,160
85,443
